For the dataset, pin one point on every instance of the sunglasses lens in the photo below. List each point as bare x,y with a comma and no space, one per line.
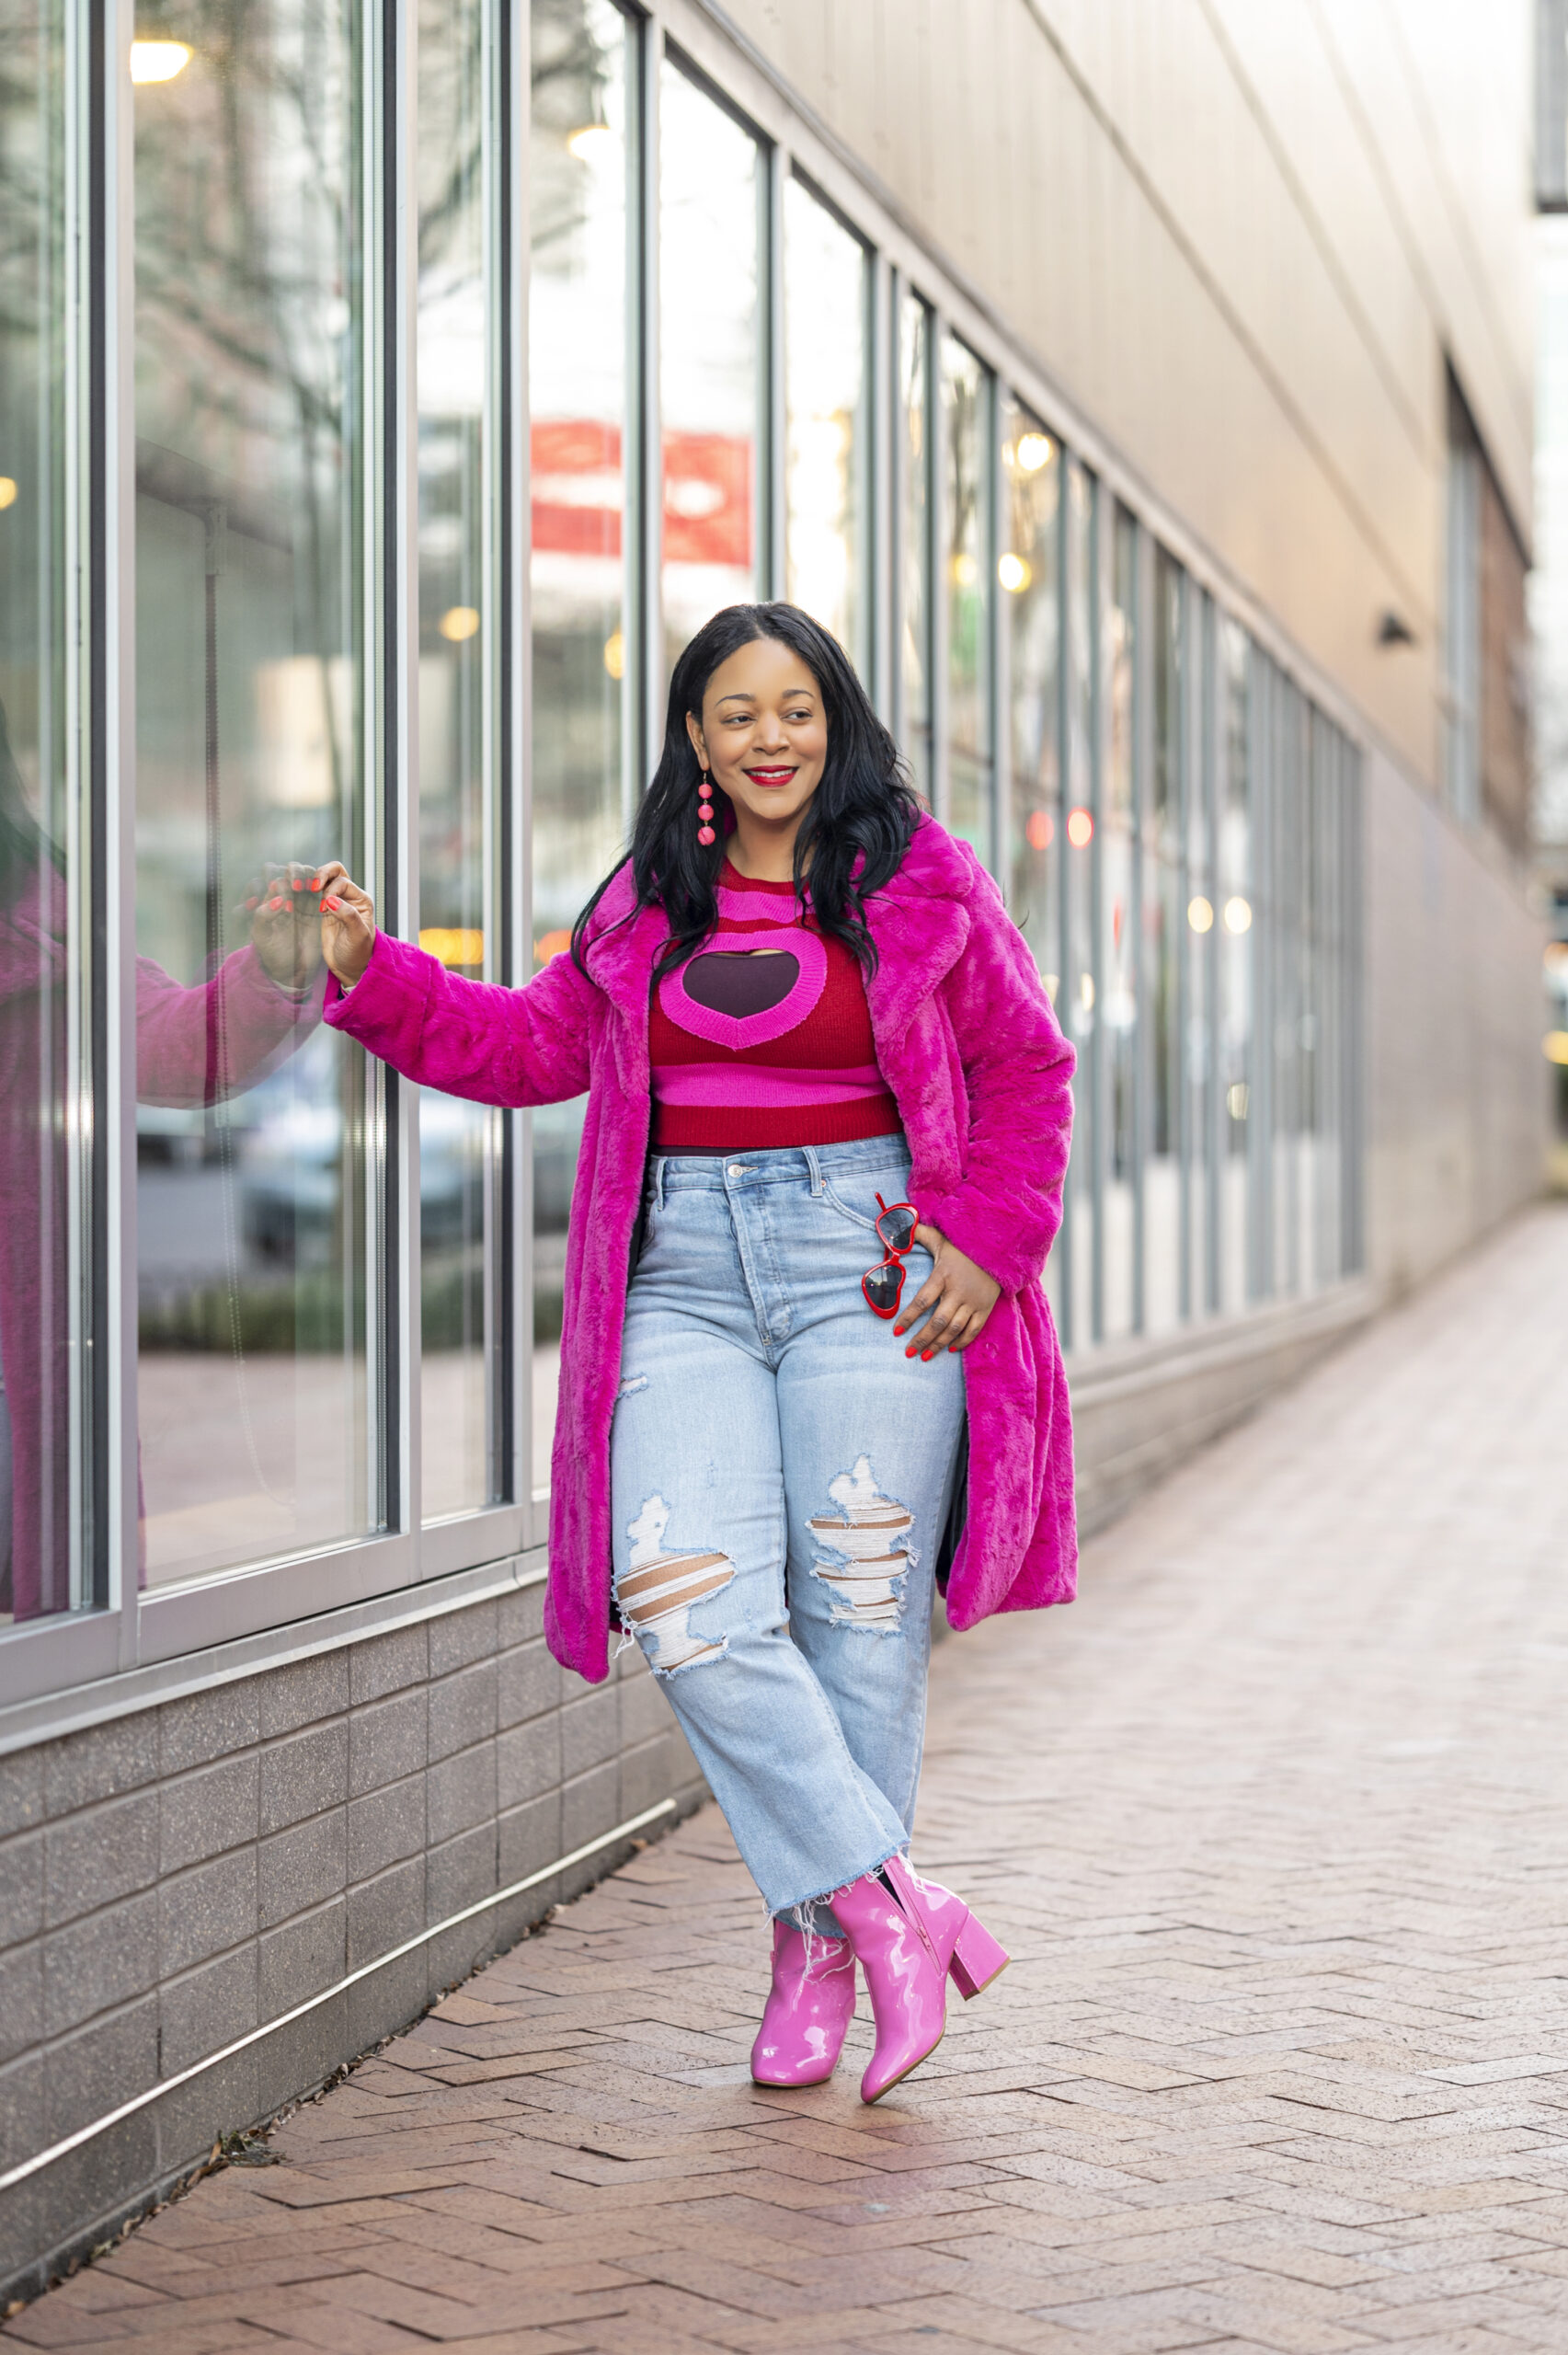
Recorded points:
897,1228
882,1287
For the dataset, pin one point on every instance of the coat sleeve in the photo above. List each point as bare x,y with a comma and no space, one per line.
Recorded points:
205,1044
473,1039
1006,1209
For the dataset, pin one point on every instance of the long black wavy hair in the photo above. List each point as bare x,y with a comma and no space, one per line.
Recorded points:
856,828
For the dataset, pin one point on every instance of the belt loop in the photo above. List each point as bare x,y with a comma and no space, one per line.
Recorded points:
816,1168
661,1163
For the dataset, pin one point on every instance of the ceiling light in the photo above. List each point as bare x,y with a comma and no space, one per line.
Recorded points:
1200,915
8,492
1238,915
1079,829
1014,573
458,623
593,142
1034,452
159,61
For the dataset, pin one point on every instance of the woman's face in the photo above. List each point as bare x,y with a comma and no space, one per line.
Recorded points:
763,732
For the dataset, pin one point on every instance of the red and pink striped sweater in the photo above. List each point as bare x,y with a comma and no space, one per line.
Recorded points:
751,1050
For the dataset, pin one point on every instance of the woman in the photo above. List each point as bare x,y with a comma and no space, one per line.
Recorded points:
816,1048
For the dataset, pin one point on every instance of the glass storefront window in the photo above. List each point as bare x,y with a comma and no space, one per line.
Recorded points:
252,1199
42,941
1199,982
710,381
1079,1003
826,274
583,784
912,637
1028,572
967,457
1235,942
1118,946
461,1460
1163,919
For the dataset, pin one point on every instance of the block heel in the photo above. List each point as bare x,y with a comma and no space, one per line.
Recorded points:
978,1959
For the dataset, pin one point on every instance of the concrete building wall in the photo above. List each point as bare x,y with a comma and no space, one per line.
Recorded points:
1241,239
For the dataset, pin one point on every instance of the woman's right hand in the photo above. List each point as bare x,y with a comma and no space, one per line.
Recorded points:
347,922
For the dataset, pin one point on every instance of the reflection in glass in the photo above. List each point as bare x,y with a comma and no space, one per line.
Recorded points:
1235,939
459,1143
582,793
1164,916
710,356
251,1198
1199,948
1118,946
41,951
915,502
1080,859
965,461
825,322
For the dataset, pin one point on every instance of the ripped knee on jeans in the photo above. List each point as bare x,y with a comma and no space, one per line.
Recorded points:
869,1534
656,1592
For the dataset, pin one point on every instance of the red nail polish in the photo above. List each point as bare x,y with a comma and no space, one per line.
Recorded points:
911,1350
333,904
275,905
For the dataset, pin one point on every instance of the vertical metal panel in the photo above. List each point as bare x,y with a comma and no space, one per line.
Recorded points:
939,538
1216,1139
1096,592
1185,787
1552,105
1142,772
646,596
1066,1251
990,460
1001,662
398,694
773,423
514,780
1260,1108
879,528
111,527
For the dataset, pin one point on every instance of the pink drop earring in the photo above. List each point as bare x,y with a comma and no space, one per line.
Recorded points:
705,812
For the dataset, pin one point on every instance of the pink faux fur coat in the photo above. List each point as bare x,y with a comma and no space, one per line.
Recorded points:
968,1043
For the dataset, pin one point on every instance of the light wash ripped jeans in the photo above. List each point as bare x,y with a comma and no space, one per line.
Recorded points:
781,1478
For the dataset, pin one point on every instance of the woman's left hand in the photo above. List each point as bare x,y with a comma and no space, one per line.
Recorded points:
958,1296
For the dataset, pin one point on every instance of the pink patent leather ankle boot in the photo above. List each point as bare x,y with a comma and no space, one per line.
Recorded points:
908,1936
808,2012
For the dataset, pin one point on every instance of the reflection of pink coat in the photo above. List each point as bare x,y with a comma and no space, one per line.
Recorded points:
193,1047
968,1043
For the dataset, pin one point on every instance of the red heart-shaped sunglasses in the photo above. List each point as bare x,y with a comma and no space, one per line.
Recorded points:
884,1286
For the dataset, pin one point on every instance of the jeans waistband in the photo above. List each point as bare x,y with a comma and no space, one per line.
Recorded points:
774,1166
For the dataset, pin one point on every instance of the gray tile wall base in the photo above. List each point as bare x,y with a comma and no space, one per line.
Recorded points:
261,1839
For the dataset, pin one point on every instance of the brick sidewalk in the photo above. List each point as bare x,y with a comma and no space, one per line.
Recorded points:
1274,1825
